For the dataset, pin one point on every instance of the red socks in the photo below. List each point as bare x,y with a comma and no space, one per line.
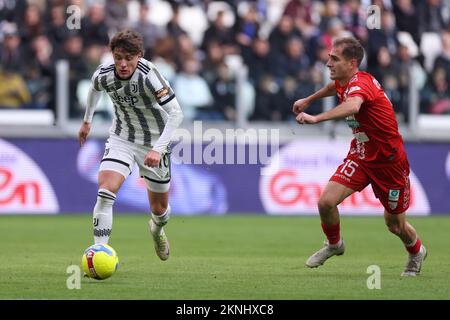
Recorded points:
333,233
415,247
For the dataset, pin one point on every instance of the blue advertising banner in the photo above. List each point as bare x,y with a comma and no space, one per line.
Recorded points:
56,176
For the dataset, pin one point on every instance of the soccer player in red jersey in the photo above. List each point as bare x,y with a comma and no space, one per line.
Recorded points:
376,154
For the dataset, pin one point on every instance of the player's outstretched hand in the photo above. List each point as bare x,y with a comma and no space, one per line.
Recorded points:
303,118
300,105
83,132
152,158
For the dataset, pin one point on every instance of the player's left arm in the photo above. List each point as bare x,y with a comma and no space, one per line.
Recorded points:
349,107
174,120
161,90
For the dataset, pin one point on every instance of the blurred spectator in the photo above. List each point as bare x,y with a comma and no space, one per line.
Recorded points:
32,26
246,29
260,60
13,90
186,49
223,90
57,31
335,29
116,14
73,53
443,60
95,30
436,95
11,53
266,107
293,62
431,16
299,9
285,54
411,76
386,36
384,5
92,57
39,74
407,18
219,32
286,97
386,70
193,92
178,3
11,10
173,26
281,34
301,12
329,11
215,56
354,18
150,31
165,57
319,77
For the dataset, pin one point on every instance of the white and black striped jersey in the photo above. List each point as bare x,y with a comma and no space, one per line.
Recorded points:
143,104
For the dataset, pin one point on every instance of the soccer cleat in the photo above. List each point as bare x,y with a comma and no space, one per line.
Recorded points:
414,263
319,258
160,239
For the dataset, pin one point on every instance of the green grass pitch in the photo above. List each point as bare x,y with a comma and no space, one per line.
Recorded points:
228,257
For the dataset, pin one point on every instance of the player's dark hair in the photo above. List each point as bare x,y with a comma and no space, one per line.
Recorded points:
128,40
351,48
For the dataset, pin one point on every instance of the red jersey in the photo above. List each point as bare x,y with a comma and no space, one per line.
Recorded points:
377,141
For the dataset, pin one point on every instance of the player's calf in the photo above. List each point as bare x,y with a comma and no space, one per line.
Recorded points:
103,216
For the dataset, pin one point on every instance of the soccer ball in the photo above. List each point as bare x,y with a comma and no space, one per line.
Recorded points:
99,261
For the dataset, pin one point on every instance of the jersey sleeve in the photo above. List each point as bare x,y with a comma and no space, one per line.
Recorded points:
175,118
93,94
361,88
99,74
159,86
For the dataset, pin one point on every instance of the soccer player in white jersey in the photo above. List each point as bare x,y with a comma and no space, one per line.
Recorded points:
146,113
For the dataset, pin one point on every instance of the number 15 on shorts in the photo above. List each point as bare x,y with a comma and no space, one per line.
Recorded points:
349,168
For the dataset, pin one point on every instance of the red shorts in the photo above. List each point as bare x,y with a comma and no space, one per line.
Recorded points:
390,183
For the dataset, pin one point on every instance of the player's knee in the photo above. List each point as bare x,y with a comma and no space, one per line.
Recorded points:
112,188
159,208
394,227
326,203
110,180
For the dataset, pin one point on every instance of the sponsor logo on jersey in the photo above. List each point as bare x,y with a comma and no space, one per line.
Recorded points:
161,93
354,88
131,100
352,122
133,86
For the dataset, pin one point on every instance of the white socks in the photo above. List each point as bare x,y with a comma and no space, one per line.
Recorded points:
103,216
161,220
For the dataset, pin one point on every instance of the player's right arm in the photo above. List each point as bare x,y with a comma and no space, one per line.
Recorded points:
94,95
301,104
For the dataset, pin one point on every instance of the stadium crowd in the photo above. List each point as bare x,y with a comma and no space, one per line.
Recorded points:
285,58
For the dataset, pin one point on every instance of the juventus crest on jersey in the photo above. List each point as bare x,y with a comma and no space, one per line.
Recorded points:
139,116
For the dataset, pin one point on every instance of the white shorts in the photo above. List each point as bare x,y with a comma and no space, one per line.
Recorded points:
121,155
